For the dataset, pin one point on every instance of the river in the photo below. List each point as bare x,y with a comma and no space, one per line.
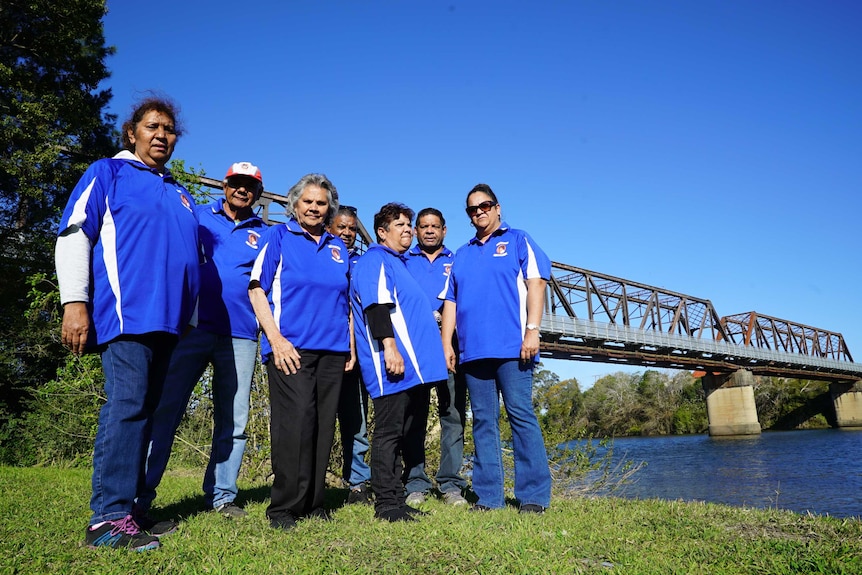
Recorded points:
818,471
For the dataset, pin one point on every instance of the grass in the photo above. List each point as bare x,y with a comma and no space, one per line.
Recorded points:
43,513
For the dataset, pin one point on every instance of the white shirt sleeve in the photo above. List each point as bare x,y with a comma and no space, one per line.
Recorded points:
72,259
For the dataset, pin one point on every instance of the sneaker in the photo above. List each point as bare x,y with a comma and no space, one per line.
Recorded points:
415,498
454,498
150,525
120,533
532,508
359,494
231,510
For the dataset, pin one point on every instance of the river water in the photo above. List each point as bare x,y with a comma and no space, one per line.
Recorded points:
818,471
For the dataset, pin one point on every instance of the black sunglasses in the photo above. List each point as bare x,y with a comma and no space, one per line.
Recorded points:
248,183
483,207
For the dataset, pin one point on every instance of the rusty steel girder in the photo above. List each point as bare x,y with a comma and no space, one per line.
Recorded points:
590,295
765,332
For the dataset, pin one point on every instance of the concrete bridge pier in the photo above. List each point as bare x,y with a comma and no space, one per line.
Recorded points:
730,403
847,399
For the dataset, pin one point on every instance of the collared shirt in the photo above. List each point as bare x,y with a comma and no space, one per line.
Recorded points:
144,236
381,277
306,282
230,248
431,275
488,285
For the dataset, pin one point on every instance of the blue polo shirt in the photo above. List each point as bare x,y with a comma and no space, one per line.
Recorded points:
145,260
307,285
230,249
431,276
487,284
381,277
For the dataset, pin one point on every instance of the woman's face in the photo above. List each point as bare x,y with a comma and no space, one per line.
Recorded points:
482,218
399,236
311,208
154,138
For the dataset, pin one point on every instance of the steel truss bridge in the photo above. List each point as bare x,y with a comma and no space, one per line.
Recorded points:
590,316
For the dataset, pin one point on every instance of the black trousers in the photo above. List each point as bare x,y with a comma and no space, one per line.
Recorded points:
396,417
302,426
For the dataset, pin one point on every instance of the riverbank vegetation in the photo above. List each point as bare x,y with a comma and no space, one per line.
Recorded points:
45,511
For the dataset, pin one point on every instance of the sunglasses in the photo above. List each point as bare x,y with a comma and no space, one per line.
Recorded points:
250,184
483,207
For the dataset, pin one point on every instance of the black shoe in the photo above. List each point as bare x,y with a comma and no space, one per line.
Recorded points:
319,513
393,515
477,507
359,494
414,512
151,526
283,522
532,508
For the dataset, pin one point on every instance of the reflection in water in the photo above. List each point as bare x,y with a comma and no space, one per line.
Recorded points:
804,471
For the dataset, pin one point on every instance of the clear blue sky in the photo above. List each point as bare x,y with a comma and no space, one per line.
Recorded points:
712,148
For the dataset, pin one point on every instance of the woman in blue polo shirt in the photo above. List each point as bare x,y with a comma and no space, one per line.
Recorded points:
299,292
400,355
127,263
494,300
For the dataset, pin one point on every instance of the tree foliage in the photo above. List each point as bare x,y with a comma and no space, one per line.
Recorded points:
52,125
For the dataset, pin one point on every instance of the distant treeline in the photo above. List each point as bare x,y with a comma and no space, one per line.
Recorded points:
666,403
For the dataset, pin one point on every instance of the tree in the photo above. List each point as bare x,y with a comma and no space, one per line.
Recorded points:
52,125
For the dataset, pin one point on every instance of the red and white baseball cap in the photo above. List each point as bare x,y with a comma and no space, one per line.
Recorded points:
245,169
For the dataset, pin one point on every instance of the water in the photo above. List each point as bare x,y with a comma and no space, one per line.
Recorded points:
804,471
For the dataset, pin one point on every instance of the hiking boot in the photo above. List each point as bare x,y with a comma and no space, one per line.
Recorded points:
150,525
532,508
231,510
120,533
454,498
359,494
415,498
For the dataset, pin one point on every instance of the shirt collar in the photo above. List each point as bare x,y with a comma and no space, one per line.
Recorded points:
504,227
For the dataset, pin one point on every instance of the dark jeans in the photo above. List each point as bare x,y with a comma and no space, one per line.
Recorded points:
302,426
398,419
135,368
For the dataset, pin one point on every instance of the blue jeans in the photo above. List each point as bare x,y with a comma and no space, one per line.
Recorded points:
134,369
486,380
352,421
233,367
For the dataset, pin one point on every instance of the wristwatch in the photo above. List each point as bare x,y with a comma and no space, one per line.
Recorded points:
532,327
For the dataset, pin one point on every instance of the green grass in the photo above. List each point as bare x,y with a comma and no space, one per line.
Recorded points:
43,513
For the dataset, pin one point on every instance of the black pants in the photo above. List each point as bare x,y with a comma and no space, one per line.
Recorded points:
302,426
396,417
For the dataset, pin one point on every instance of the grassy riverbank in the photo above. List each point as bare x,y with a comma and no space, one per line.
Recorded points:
43,513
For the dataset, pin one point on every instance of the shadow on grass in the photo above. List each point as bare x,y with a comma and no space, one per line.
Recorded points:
188,507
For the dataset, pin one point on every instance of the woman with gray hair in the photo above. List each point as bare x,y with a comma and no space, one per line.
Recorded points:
299,292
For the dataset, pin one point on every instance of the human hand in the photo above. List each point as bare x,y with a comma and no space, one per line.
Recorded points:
76,327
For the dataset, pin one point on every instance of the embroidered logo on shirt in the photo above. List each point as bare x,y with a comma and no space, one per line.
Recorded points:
252,239
336,253
447,269
185,200
501,249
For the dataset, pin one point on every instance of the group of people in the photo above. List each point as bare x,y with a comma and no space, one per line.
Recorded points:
162,288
